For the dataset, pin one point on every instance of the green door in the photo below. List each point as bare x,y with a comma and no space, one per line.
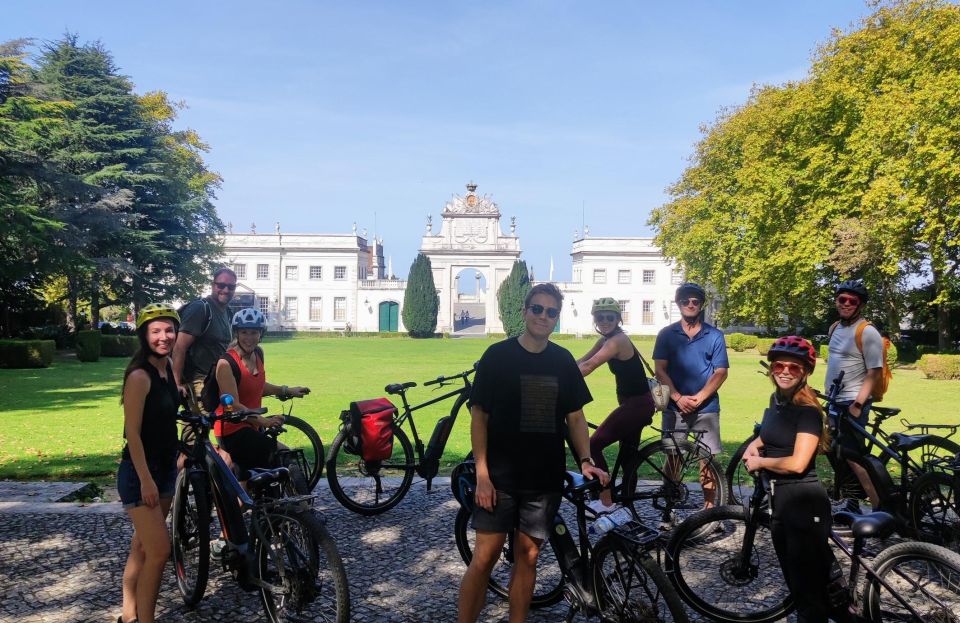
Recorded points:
389,316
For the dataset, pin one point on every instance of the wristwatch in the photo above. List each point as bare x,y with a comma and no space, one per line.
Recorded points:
587,459
857,404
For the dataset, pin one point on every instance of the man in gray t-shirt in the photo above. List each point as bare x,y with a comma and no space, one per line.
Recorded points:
861,366
204,334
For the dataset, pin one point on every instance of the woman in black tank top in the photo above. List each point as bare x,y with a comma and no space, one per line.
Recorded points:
148,466
636,408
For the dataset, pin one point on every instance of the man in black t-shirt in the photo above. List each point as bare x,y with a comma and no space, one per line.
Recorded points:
204,334
525,390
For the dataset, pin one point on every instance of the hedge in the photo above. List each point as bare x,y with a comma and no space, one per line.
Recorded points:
26,353
88,345
118,345
824,351
741,342
940,367
764,344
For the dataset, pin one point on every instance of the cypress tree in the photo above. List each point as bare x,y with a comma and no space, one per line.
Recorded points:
510,298
420,301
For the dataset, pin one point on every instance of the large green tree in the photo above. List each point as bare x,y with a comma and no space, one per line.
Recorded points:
420,301
510,297
853,171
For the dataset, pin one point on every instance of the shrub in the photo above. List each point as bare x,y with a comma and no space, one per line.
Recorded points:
88,345
892,355
118,345
26,353
824,351
741,342
510,297
940,367
420,301
906,351
764,344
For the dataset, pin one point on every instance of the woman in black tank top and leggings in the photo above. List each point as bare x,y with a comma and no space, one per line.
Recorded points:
636,408
790,434
148,466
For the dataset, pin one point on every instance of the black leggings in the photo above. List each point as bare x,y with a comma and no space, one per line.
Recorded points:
800,530
624,424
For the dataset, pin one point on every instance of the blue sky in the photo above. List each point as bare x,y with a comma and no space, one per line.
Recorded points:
322,114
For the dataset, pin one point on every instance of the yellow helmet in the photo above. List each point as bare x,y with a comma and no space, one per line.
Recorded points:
605,304
154,311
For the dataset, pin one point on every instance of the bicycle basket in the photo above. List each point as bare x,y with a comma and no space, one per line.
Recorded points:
636,534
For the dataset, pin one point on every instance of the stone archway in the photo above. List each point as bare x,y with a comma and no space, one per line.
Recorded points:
470,238
468,301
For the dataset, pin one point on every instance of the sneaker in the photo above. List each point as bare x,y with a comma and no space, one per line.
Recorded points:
216,548
599,508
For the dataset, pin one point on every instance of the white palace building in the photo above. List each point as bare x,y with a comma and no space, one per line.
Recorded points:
338,282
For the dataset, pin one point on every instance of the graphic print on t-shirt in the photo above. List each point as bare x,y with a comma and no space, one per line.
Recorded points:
538,403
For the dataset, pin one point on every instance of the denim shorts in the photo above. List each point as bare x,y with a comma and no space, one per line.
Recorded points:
530,512
164,472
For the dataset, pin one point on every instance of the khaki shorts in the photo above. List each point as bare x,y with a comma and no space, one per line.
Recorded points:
196,386
709,423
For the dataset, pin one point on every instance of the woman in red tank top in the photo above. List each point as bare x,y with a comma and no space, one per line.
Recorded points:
247,445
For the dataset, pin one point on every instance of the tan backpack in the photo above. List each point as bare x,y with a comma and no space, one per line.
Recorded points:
883,383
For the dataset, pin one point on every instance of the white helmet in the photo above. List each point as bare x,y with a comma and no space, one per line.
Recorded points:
249,318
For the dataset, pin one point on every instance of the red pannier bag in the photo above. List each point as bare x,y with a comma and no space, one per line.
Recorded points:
374,419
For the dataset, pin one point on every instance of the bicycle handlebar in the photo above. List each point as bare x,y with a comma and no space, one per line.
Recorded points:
440,380
234,416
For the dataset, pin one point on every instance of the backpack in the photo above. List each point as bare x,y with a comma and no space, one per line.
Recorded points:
886,375
374,421
206,310
210,394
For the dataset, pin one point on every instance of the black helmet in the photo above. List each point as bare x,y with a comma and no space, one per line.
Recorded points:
853,286
690,289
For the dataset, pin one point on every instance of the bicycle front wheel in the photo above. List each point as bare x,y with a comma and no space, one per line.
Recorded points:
191,534
548,589
630,586
304,453
302,571
669,481
738,480
935,510
370,487
714,577
925,576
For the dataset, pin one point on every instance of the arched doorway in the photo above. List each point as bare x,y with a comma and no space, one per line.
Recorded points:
470,302
389,316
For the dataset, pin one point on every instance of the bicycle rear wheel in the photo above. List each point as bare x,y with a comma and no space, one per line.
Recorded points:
926,576
739,482
663,482
370,487
630,585
548,589
935,510
301,564
304,453
191,534
711,576
933,449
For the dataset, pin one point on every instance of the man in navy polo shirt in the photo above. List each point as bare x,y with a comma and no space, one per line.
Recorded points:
691,357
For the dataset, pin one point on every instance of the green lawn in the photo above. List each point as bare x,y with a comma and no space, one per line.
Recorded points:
66,421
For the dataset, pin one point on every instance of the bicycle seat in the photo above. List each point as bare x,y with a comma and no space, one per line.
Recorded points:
877,524
260,479
908,442
885,411
397,388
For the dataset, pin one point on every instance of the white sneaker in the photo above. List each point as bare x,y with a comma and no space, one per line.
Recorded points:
216,548
667,523
599,508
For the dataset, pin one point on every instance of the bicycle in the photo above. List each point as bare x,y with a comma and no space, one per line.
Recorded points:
914,453
373,487
733,574
666,472
617,579
300,449
274,544
935,504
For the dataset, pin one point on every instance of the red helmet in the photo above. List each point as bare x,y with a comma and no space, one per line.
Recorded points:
794,346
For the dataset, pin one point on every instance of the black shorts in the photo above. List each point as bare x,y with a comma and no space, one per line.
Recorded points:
531,512
249,449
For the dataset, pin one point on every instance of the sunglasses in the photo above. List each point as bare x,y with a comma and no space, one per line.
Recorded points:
224,286
790,367
847,300
605,317
685,302
536,310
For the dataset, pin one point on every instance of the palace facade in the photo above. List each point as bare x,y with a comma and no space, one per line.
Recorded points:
338,282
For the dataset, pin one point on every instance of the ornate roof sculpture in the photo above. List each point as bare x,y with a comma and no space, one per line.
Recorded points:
471,203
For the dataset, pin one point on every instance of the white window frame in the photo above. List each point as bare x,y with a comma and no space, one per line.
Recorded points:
316,273
290,304
316,305
241,270
600,275
649,277
648,312
263,271
624,311
339,308
339,273
263,304
624,275
676,277
291,272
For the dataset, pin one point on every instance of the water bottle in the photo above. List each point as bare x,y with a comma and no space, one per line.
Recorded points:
606,523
